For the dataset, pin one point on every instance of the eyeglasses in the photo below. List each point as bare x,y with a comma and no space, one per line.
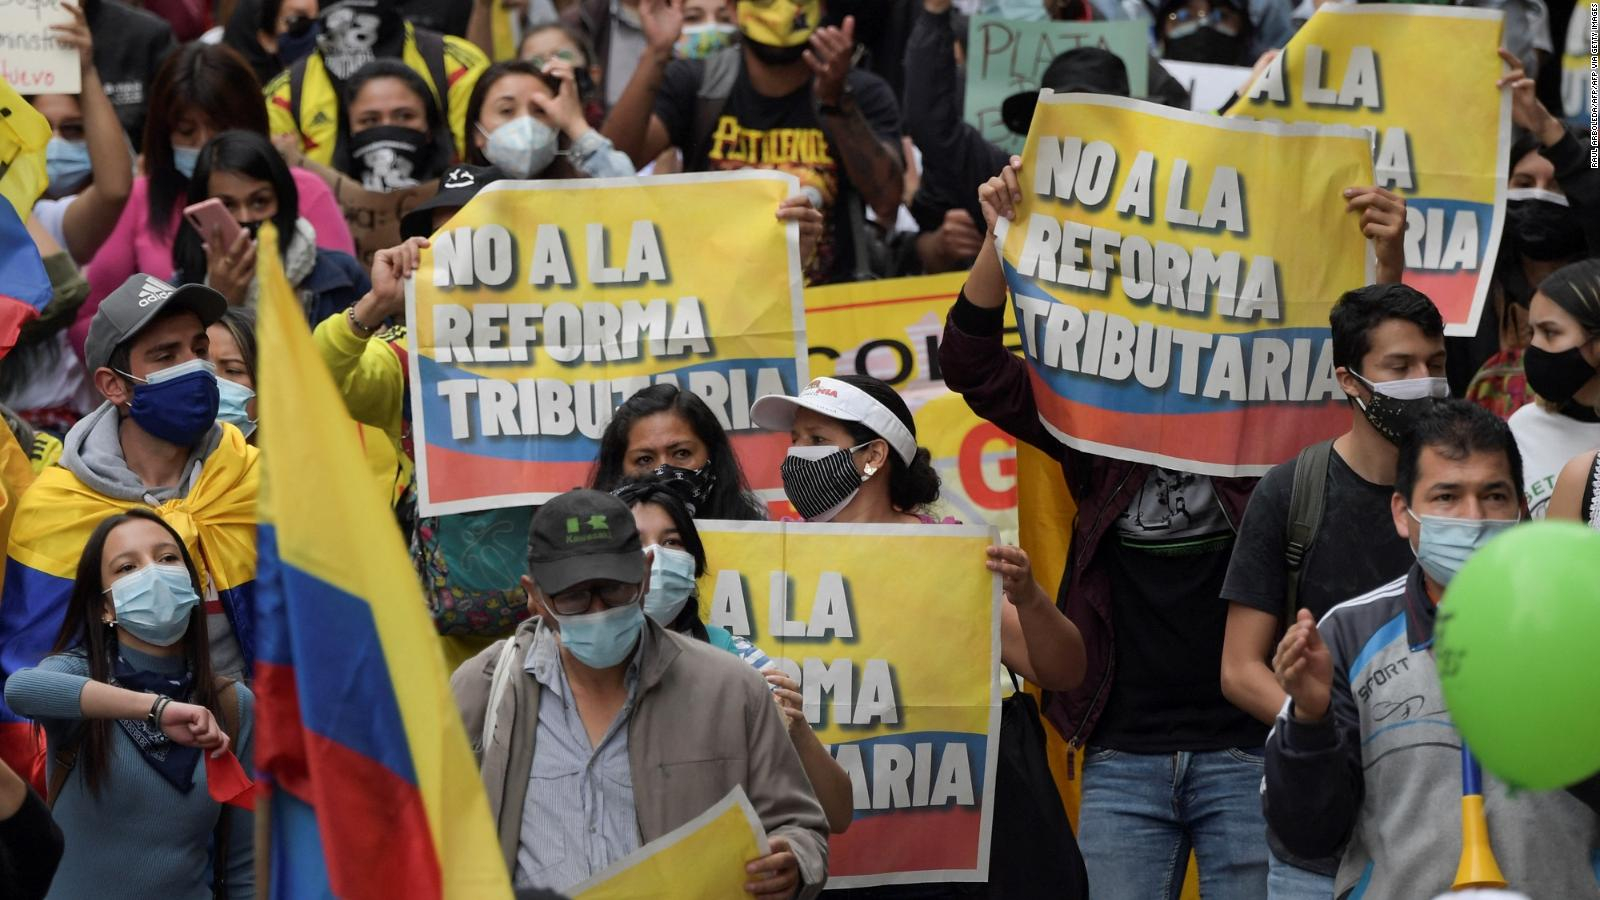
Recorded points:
570,57
576,601
1183,22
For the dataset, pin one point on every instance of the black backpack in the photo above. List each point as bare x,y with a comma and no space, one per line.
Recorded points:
1033,854
1306,500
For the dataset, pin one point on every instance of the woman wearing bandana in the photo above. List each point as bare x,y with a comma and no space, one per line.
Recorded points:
243,170
130,712
392,134
1563,368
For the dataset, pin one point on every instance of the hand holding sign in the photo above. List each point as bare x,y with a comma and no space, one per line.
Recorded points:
75,34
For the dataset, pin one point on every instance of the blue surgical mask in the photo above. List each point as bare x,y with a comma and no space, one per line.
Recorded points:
522,147
184,158
1446,543
671,583
232,398
67,164
603,639
153,604
177,405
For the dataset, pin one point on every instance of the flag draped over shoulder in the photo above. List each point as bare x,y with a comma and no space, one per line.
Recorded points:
374,791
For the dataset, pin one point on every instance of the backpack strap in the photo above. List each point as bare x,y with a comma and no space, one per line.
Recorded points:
716,83
503,669
430,45
66,758
1306,500
297,84
228,702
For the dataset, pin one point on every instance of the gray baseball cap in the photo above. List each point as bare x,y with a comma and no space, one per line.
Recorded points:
128,309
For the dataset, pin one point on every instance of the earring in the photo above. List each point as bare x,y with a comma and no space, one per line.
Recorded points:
869,472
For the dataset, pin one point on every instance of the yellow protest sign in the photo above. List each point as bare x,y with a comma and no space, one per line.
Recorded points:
703,857
1421,78
541,306
897,667
1172,274
890,329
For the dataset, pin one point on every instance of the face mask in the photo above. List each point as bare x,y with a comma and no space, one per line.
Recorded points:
1446,543
177,405
1205,45
390,157
67,164
698,483
671,583
1395,405
603,639
356,32
821,481
1556,376
778,29
522,147
1543,226
298,41
232,398
700,41
154,603
184,158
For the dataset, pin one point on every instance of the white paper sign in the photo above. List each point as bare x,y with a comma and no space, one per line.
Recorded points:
1209,86
30,58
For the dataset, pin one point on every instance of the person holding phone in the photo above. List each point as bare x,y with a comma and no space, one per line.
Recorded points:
529,122
239,182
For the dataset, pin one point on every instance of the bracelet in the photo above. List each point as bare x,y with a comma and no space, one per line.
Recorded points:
355,323
156,709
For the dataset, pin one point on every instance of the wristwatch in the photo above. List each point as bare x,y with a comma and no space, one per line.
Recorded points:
847,101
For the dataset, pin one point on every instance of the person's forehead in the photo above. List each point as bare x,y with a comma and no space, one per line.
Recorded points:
1533,162
58,108
181,326
223,346
662,427
386,89
1478,468
135,535
549,41
1402,336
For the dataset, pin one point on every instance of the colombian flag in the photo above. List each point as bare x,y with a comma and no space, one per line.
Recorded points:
373,789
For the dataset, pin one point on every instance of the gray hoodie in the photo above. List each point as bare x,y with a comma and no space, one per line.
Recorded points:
93,452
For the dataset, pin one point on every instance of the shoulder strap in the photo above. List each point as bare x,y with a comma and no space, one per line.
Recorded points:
716,83
297,83
497,687
430,46
66,758
1306,500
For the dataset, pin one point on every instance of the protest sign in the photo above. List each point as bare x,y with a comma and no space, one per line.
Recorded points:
896,665
1210,86
543,305
890,329
1421,79
30,58
703,857
373,216
1172,274
1006,57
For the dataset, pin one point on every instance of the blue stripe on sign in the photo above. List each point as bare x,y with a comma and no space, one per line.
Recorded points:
1392,629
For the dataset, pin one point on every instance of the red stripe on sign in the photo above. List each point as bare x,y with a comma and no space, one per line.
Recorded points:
920,840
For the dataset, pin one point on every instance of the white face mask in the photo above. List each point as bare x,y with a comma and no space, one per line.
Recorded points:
1410,388
671,583
522,147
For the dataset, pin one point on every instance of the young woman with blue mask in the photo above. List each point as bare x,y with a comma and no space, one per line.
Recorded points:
233,352
529,122
129,709
677,560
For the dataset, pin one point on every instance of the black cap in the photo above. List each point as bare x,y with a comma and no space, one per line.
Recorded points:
128,309
580,536
459,184
1081,70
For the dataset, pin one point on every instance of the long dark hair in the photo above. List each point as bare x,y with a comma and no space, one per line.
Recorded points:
444,144
730,498
659,492
212,80
83,632
249,154
911,484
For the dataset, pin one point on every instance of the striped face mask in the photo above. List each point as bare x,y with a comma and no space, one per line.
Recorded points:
821,481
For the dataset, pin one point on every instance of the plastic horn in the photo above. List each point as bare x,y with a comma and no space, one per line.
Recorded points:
1478,868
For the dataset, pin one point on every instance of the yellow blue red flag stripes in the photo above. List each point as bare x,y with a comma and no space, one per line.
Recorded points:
374,791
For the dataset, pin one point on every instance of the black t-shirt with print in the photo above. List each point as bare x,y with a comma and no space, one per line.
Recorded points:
1356,549
782,133
1167,556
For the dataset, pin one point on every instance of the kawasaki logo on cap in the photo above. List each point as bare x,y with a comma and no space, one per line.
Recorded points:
581,530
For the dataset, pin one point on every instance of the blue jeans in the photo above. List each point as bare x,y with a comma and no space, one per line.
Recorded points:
1287,882
1142,813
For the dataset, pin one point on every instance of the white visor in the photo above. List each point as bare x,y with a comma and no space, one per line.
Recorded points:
837,400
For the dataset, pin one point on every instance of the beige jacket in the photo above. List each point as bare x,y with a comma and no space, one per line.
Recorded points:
703,722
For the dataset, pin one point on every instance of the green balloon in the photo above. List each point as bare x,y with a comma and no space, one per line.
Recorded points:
1515,645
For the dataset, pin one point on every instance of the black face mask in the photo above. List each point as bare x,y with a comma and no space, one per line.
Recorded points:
774,56
693,486
1556,376
1545,231
252,228
298,40
391,157
1207,45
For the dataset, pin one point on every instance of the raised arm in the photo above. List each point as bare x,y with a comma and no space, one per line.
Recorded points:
632,124
91,217
874,166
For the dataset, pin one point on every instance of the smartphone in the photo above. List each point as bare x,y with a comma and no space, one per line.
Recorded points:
210,215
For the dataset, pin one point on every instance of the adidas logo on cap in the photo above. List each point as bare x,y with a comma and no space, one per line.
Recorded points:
154,290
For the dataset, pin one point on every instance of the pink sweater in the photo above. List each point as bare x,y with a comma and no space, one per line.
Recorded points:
134,247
